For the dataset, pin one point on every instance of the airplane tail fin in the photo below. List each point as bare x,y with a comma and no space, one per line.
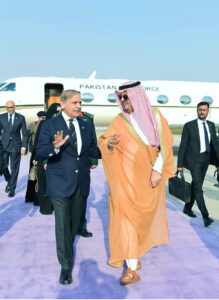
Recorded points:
93,75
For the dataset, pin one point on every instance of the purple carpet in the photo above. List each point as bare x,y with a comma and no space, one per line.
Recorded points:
187,267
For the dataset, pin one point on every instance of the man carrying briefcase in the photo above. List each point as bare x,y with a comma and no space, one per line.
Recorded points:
199,147
179,188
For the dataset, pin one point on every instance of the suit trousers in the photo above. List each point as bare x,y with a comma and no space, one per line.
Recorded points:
198,175
67,218
15,157
83,221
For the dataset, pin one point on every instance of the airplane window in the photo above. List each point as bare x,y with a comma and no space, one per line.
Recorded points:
185,99
111,98
87,97
11,87
162,99
208,99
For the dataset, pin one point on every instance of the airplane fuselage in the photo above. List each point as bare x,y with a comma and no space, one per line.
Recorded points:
177,100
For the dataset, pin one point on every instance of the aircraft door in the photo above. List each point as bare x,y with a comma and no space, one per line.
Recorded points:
52,93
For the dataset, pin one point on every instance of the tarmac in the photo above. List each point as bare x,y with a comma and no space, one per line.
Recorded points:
185,268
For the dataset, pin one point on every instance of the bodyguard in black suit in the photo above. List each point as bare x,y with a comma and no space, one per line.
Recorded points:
67,142
82,229
199,147
1,158
11,125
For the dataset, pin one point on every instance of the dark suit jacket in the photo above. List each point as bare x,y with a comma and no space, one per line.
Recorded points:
190,145
18,125
66,169
1,158
89,118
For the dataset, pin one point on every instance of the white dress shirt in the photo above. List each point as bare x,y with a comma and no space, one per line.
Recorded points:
159,162
77,130
13,115
202,134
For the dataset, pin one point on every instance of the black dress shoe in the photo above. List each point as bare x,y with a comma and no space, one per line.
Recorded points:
208,221
11,194
189,213
85,233
7,188
65,276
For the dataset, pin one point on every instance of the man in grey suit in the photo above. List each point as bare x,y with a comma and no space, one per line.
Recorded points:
11,125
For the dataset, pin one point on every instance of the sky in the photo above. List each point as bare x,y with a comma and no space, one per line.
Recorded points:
136,40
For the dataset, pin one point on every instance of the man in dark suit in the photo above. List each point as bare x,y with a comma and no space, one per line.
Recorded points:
82,229
1,158
199,147
11,125
67,142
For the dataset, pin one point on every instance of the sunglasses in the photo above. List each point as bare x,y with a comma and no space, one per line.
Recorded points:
125,97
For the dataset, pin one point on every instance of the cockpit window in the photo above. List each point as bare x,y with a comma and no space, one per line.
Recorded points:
1,84
11,87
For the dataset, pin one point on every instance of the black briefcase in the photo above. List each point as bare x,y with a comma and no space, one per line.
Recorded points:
216,174
179,188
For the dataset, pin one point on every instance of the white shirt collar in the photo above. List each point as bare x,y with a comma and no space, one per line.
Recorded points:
67,118
201,121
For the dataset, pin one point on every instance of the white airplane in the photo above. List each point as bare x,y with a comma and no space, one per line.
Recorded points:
177,100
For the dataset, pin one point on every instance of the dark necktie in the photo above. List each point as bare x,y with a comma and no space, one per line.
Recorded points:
73,132
10,122
207,145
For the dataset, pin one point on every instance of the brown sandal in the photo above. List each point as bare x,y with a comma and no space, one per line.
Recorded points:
129,277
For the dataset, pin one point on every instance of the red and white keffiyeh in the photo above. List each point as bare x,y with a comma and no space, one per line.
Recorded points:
142,109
